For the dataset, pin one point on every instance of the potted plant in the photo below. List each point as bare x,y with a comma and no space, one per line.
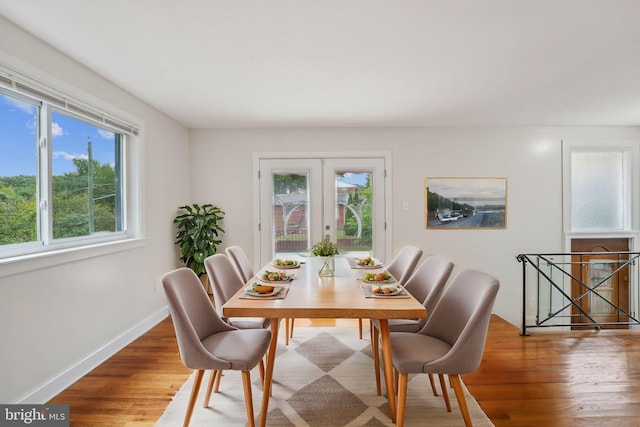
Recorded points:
197,234
327,250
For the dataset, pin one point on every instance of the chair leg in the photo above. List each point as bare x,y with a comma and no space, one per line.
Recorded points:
433,385
261,372
286,331
402,399
217,386
445,393
462,402
396,377
375,349
248,398
194,395
360,328
212,379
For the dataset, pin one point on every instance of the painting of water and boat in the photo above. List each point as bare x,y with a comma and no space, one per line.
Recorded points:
458,203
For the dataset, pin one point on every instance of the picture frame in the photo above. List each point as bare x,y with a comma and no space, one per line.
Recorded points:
454,203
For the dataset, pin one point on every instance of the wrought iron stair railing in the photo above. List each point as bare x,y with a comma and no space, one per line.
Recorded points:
580,290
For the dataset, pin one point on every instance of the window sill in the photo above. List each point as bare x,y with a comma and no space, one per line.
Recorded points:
21,264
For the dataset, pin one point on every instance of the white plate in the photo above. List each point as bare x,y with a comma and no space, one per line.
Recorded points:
253,293
268,282
295,264
355,263
262,278
399,290
380,282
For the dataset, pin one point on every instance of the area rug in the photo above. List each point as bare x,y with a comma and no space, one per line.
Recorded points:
323,378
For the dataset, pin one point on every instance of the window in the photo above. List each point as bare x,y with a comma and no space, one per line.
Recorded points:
599,190
599,187
62,172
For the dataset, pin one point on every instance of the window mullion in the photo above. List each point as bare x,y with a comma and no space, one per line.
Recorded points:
45,216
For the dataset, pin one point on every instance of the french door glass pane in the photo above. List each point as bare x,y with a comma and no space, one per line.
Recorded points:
354,211
290,212
303,200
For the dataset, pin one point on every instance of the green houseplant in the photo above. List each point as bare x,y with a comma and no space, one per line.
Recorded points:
327,250
197,234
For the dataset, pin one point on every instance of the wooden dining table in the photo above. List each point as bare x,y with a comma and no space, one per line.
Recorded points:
311,296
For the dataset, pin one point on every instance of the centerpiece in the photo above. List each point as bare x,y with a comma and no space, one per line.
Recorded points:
327,250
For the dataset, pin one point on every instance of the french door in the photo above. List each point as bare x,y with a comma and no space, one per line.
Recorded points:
303,200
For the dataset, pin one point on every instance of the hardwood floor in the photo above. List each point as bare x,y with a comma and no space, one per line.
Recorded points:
579,378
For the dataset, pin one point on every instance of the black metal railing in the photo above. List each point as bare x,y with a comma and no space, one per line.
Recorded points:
580,290
299,242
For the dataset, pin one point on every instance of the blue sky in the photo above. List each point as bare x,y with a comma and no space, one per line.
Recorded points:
355,178
70,140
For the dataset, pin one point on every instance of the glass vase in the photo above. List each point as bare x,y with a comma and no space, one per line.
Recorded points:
328,267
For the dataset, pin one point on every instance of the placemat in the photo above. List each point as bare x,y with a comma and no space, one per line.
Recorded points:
368,294
280,295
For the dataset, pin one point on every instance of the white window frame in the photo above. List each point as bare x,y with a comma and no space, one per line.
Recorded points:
18,78
631,150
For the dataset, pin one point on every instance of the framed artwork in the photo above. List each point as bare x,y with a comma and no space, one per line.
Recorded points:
459,203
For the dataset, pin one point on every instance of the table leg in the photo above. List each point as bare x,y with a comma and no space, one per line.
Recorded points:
385,339
268,375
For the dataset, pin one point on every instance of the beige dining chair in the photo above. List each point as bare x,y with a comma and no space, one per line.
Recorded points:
401,267
225,282
452,340
242,265
240,261
426,284
206,342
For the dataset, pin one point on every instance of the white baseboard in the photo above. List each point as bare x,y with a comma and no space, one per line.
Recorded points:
60,382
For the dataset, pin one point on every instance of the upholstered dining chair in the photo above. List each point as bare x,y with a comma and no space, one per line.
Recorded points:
205,341
240,261
225,282
426,284
452,340
242,265
401,267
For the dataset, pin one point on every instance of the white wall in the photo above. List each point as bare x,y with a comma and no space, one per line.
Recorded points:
529,157
53,318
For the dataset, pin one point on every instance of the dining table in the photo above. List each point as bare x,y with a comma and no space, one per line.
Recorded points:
306,294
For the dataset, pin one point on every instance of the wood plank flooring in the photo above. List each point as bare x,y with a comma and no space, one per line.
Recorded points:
579,378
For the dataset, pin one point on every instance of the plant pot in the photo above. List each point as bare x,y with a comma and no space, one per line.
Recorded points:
328,267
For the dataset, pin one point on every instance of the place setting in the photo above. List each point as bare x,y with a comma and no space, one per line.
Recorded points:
382,285
271,284
285,263
262,290
367,263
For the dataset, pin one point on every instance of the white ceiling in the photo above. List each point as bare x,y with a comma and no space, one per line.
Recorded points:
338,63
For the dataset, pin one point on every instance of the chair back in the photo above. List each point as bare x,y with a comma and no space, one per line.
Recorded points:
461,319
428,281
193,316
403,264
224,280
240,262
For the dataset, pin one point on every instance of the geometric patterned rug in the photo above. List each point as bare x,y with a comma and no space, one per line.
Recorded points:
323,378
